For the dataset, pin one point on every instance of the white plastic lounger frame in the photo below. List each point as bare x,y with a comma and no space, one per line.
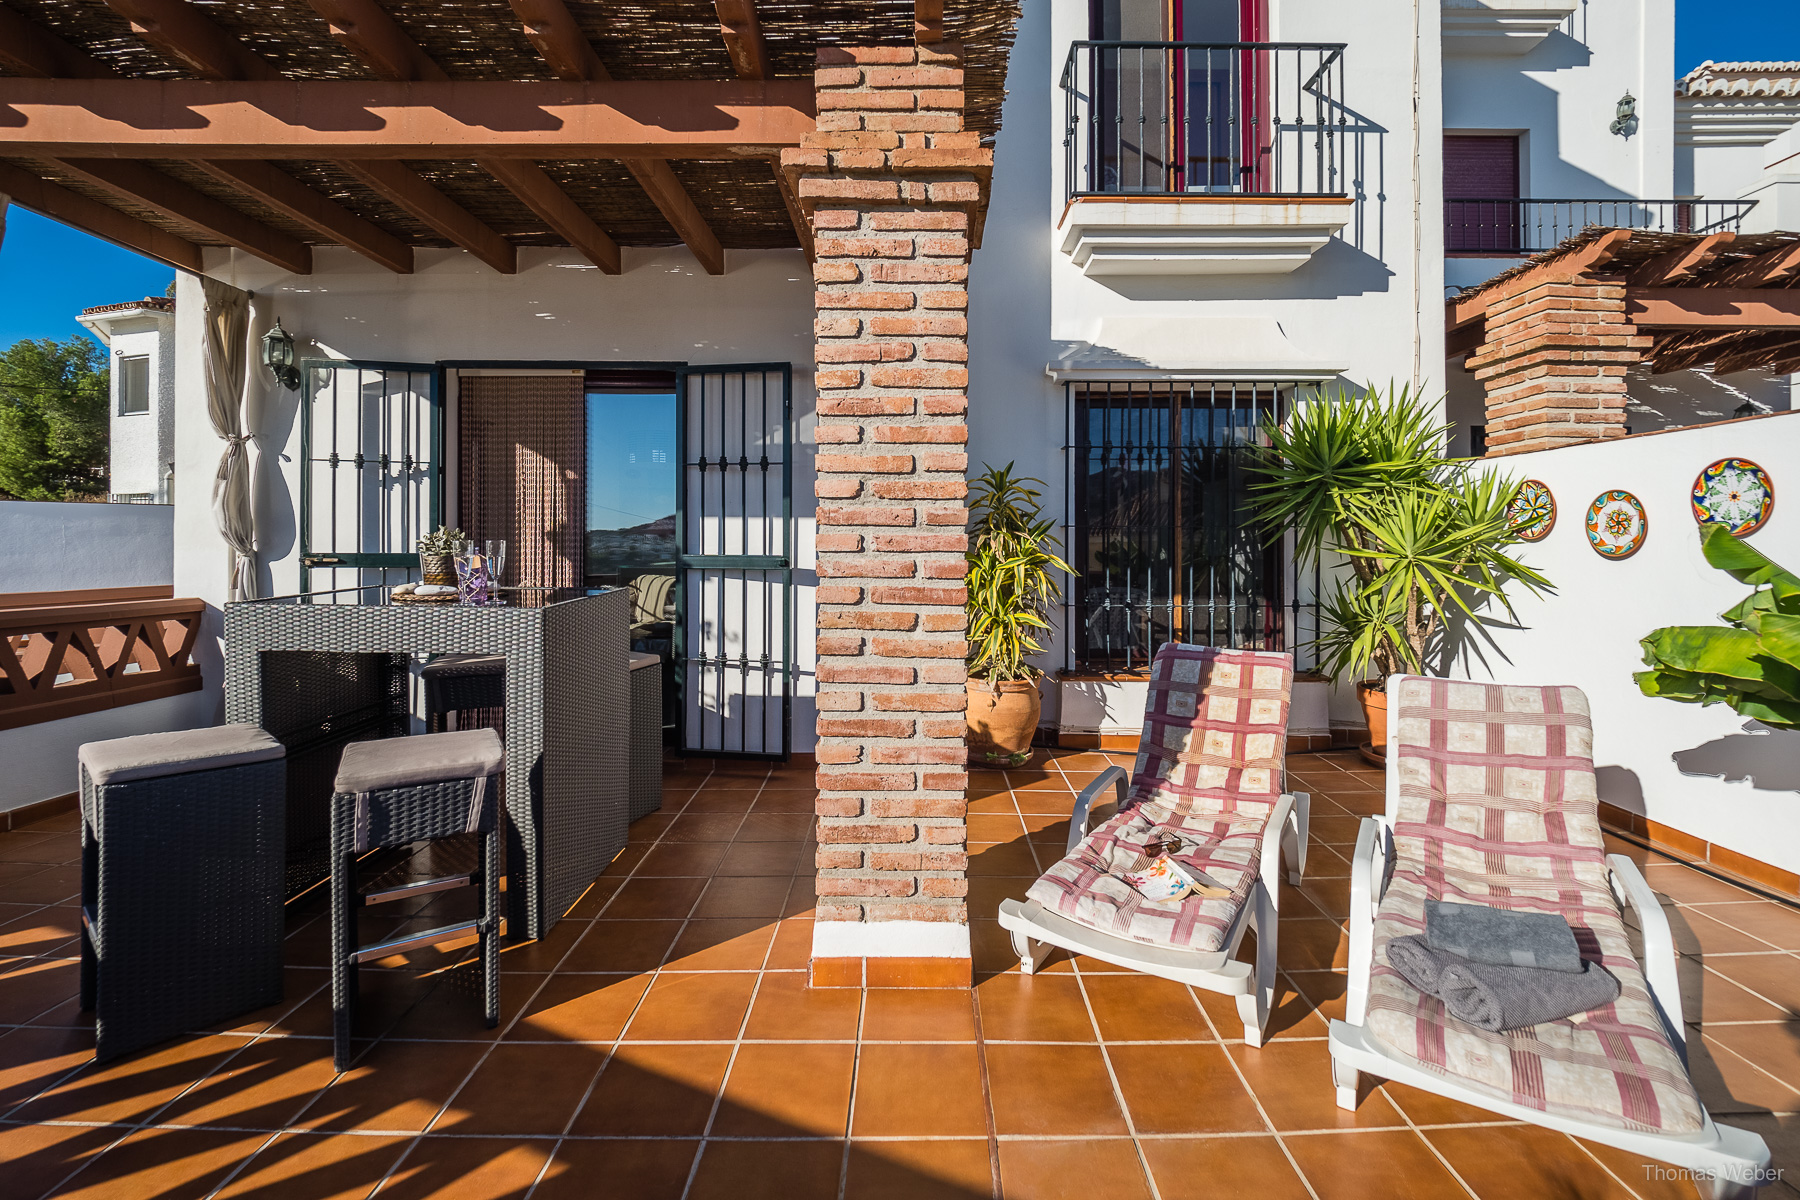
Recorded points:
1736,1160
1036,930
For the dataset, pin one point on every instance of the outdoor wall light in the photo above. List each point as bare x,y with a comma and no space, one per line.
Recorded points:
278,356
1625,115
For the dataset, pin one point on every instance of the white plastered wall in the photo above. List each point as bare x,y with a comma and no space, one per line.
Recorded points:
1696,769
141,443
557,308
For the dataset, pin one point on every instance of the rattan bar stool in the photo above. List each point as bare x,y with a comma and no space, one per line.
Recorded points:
458,683
392,793
183,845
645,791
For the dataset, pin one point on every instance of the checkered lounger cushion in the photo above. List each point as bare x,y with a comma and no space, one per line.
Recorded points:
1208,774
1497,806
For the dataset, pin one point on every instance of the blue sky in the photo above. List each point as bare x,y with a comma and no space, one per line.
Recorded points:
631,448
49,272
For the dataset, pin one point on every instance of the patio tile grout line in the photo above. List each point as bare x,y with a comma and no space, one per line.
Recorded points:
1112,1076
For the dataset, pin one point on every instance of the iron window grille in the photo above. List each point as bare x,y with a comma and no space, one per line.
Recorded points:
1159,528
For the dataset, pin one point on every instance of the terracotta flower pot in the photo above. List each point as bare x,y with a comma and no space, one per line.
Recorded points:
1374,706
438,568
1002,718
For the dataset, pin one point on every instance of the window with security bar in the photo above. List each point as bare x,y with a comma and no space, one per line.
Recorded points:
1159,526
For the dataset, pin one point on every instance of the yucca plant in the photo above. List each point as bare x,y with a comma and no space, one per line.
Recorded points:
1426,538
1753,662
1012,552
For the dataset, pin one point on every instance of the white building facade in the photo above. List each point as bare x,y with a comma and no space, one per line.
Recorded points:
140,337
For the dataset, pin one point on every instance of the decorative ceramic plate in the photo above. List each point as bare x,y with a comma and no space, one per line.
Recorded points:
1616,524
1532,513
1735,493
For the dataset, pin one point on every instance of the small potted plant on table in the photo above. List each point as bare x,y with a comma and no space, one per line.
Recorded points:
437,556
1011,591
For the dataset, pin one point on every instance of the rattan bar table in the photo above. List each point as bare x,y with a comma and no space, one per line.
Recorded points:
324,669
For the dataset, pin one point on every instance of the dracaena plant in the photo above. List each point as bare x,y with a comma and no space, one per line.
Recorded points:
1752,662
1011,588
1426,539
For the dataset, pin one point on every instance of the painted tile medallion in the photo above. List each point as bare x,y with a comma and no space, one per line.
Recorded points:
1616,524
1735,493
1532,513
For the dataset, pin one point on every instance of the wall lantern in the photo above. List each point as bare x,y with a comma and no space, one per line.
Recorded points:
278,356
1625,116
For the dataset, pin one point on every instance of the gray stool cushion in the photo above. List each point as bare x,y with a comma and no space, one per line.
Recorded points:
457,665
638,662
426,758
154,755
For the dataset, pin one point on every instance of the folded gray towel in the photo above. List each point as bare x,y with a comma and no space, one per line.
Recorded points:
1502,938
1498,998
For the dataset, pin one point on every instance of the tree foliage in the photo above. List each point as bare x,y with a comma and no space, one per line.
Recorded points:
1427,538
54,415
1752,663
1011,554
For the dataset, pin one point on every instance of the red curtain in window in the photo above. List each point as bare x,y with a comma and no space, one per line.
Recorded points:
522,466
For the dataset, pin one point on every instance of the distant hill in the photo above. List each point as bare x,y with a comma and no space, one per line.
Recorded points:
661,527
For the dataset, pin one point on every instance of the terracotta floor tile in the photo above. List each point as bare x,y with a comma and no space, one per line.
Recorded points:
1054,804
692,1008
37,1157
452,1009
1212,1098
1312,944
704,827
1707,995
1782,1135
915,1015
720,800
787,1091
131,1088
654,899
1329,896
1376,1165
30,986
768,1171
654,1091
1729,1083
1428,1108
163,1164
754,896
263,1086
761,858
792,947
1774,923
523,1089
399,1089
635,1170
580,1008
1688,886
51,885
48,848
723,945
1524,1162
1052,1091
1003,858
33,1059
800,801
1033,1008
299,984
936,1170
1130,1008
1190,1169
777,827
306,1166
1071,1170
787,1009
1292,1082
451,1168
1653,1180
1694,932
919,1091
1775,1048
1002,827
681,858
47,930
622,946
1774,977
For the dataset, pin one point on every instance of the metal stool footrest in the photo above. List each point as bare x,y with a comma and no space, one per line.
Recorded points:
419,941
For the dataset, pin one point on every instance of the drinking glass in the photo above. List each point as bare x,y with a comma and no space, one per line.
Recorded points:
496,560
471,574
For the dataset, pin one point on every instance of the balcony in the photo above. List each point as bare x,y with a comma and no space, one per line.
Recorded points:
1510,228
1189,158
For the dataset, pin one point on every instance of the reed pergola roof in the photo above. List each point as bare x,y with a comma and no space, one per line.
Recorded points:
384,125
1721,300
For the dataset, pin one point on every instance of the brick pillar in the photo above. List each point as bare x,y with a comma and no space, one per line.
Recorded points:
1553,361
889,183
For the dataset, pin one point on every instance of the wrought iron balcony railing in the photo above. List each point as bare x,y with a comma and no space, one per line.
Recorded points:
1166,118
1530,226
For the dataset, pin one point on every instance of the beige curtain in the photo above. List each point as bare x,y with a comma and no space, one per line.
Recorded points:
227,385
522,471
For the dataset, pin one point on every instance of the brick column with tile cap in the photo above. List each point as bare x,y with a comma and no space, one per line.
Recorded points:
891,183
1553,362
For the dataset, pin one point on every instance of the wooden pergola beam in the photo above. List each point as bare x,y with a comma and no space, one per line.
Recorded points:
340,119
141,184
404,186
28,50
1776,266
370,32
1713,308
1750,353
289,196
540,193
671,199
796,214
1681,263
1582,260
928,22
187,35
103,221
742,31
559,40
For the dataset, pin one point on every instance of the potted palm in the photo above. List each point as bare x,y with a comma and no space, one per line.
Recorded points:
1426,540
1010,593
